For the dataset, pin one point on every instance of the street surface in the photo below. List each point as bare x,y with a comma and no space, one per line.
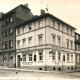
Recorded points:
22,75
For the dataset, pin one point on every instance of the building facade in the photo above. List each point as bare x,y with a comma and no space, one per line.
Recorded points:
45,43
8,34
77,50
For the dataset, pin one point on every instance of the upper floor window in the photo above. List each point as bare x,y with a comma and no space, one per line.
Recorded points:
10,44
24,57
71,57
40,39
53,55
78,59
63,57
53,23
77,37
59,40
30,56
58,26
71,32
11,19
23,29
4,23
67,41
18,43
40,23
6,32
3,45
30,27
59,55
30,41
24,42
3,33
18,31
6,45
54,36
10,30
71,44
77,47
67,30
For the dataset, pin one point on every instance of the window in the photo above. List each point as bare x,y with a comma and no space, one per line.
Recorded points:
67,43
40,23
10,44
77,37
58,26
30,41
11,19
3,45
6,32
40,40
59,55
67,57
10,30
53,56
63,57
53,36
4,22
10,57
71,32
71,57
59,40
23,29
30,57
77,47
3,33
53,23
4,57
77,58
6,45
18,43
30,27
71,44
24,42
67,30
18,31
40,56
24,57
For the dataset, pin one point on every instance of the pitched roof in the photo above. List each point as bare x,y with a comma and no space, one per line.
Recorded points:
35,18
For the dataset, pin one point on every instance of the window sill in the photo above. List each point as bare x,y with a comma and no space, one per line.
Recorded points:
40,61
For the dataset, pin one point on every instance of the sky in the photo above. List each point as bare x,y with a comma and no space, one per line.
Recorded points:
66,10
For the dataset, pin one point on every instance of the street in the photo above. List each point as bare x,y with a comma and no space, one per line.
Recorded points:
22,75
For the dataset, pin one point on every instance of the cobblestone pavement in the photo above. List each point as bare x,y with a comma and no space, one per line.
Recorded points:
28,75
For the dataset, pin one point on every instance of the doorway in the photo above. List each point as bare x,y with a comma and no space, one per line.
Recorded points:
18,61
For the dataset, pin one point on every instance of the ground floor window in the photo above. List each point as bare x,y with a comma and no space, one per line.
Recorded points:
24,57
10,57
53,56
30,57
4,57
40,56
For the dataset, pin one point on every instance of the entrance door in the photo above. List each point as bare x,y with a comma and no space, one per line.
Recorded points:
18,61
34,57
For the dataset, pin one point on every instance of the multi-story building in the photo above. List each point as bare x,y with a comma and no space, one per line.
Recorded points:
8,22
45,43
77,50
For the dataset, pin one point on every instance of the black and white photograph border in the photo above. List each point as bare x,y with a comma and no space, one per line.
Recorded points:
39,39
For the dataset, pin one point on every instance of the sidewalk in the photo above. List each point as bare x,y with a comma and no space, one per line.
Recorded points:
27,70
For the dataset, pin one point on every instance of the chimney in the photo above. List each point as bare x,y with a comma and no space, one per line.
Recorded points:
26,5
42,11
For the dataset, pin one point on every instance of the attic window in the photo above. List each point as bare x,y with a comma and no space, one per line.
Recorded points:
29,27
11,19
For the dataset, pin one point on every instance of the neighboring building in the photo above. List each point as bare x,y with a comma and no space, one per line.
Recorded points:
8,34
45,43
77,48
